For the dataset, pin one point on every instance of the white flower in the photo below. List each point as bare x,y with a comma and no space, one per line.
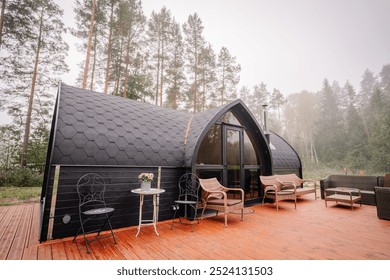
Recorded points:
145,177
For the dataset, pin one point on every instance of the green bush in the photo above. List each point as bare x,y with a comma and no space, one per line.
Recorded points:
20,177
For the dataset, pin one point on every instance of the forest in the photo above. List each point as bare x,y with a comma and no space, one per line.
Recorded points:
153,58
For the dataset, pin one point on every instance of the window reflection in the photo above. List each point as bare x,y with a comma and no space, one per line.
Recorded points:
210,151
250,157
230,119
233,147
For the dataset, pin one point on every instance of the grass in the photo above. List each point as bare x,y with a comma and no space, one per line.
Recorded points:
18,195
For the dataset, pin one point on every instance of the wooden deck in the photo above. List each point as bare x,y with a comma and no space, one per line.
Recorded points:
310,232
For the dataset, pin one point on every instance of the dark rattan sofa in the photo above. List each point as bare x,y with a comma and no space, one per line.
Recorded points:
383,202
365,184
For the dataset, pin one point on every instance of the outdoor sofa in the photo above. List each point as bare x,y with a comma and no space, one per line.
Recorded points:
365,184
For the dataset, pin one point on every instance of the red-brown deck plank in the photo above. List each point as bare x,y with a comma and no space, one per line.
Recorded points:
7,234
21,234
312,231
31,250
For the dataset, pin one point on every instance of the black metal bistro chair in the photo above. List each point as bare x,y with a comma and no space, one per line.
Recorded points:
91,188
187,201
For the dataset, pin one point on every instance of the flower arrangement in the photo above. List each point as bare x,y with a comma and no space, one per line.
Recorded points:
146,177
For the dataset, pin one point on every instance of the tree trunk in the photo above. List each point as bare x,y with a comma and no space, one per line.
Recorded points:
119,67
162,73
158,69
109,50
31,97
3,3
175,93
127,58
204,91
94,62
223,86
90,32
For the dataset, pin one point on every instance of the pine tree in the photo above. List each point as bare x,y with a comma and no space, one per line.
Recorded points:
258,98
89,45
127,46
228,71
159,33
301,117
207,77
30,68
175,77
194,44
354,134
108,51
330,143
277,100
2,12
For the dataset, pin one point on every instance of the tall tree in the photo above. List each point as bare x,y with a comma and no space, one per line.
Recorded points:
89,44
93,41
159,33
88,51
207,70
2,12
112,6
127,43
301,117
379,122
175,74
228,71
136,27
43,45
277,100
328,136
354,134
194,44
258,98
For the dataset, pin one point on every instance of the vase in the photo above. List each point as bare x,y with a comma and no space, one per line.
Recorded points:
145,186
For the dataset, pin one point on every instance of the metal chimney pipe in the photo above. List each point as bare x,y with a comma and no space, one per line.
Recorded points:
265,117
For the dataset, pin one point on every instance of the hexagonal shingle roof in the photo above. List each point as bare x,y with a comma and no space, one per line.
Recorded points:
98,129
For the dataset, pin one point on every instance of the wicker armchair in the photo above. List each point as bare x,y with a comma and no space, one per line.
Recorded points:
275,189
382,196
215,197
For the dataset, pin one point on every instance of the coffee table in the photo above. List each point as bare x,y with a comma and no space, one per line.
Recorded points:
344,195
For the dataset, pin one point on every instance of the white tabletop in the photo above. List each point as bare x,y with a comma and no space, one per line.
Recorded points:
151,191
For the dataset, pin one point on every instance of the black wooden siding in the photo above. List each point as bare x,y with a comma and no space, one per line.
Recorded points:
120,181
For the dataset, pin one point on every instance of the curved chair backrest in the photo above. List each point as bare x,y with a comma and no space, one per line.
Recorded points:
91,188
291,178
271,181
189,187
209,185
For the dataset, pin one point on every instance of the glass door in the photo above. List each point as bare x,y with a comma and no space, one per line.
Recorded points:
233,176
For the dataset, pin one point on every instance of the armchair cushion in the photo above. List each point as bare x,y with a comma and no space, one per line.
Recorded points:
214,196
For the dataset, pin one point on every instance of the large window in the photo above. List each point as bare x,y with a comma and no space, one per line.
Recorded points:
250,157
210,151
228,153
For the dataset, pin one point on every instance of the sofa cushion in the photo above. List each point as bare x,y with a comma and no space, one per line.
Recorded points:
366,183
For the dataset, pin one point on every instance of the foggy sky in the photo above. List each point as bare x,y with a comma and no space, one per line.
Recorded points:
294,45
288,45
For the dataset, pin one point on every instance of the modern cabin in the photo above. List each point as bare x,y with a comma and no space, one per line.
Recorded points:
120,138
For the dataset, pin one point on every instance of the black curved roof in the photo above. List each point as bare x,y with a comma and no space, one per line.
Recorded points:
93,128
284,157
99,129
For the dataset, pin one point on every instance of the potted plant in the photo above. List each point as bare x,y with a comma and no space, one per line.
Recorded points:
146,181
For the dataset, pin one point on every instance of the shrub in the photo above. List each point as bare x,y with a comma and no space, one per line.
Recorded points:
20,177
